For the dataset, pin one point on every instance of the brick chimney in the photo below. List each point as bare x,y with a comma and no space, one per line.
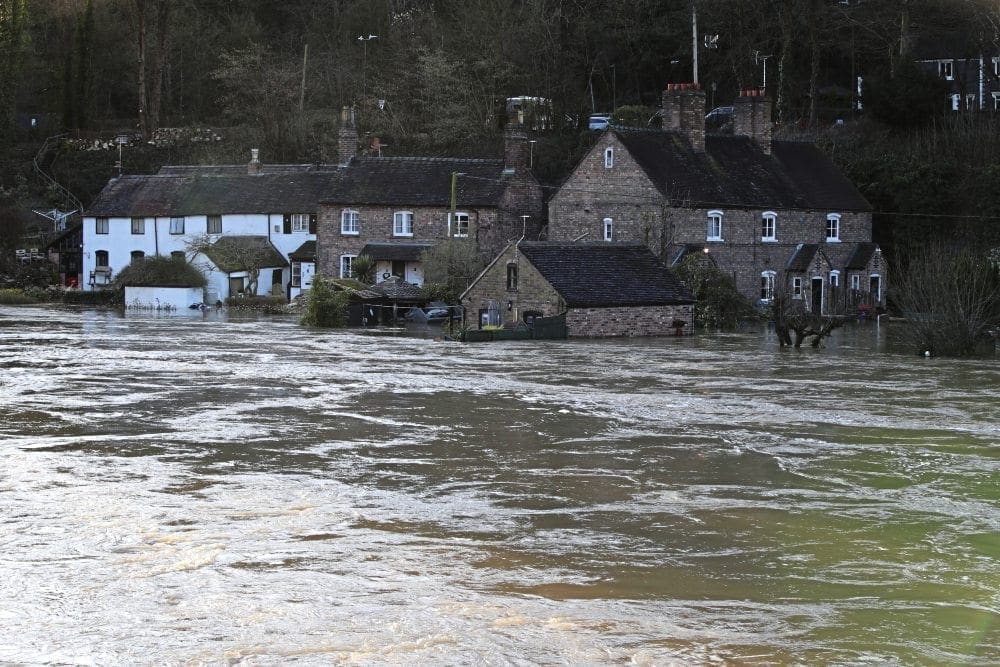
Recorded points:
516,148
752,117
254,166
347,137
684,112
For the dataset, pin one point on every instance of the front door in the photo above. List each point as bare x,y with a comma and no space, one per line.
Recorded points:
817,296
875,288
235,286
399,268
308,269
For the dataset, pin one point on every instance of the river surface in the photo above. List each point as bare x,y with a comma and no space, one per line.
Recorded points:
202,489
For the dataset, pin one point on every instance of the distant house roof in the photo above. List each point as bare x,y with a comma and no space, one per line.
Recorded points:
242,253
397,289
602,274
241,169
304,253
417,181
202,192
862,254
802,257
408,252
734,171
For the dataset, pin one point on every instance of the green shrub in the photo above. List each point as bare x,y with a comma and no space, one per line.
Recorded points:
325,306
13,297
160,272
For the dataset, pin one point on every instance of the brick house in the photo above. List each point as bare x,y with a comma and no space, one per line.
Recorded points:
604,289
754,205
394,208
971,74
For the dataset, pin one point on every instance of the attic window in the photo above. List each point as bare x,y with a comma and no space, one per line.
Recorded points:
609,157
714,226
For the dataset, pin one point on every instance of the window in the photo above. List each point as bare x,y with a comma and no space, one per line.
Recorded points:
297,274
768,226
137,254
300,222
996,67
138,225
767,286
833,228
101,258
609,229
214,224
350,222
512,277
835,279
402,223
956,102
176,225
101,226
178,256
970,102
797,287
346,265
461,225
715,225
855,282
945,69
609,158
996,101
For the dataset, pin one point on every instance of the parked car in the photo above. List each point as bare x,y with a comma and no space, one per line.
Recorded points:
718,117
599,121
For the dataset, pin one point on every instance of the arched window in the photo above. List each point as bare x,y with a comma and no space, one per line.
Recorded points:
714,226
769,226
767,286
833,228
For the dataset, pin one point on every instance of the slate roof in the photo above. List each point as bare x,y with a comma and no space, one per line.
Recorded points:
416,181
802,257
241,253
241,169
734,171
601,274
199,193
861,256
409,252
304,253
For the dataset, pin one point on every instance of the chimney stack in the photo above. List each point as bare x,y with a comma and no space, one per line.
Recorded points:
515,145
752,117
684,112
254,166
347,137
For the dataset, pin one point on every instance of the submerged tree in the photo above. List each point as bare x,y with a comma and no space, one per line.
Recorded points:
950,298
795,325
719,303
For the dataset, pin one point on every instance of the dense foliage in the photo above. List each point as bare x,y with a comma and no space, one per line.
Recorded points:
160,272
325,306
719,305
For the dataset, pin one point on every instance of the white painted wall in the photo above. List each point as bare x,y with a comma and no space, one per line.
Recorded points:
120,242
161,298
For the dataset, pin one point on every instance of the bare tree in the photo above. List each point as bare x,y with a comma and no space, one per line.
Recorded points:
795,325
232,254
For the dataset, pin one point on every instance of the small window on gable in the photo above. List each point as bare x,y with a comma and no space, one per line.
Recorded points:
609,229
214,224
855,282
769,226
714,226
609,157
835,279
833,228
797,287
946,69
512,277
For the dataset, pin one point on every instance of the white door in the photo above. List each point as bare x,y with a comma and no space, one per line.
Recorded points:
307,275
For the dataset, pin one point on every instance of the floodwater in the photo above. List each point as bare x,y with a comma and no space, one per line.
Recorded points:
197,489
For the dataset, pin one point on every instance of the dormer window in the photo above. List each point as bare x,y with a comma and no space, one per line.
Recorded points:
714,226
833,228
769,226
609,229
609,158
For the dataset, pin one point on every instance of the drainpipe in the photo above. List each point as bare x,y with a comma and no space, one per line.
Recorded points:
156,237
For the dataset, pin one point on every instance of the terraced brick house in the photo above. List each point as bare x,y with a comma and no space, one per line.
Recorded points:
395,208
603,289
774,214
261,220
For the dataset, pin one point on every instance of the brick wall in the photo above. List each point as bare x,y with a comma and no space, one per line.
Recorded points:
533,292
629,321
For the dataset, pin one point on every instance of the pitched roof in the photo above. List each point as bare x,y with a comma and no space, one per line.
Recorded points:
241,169
242,253
304,253
860,257
205,193
802,257
409,252
397,289
417,181
602,274
734,171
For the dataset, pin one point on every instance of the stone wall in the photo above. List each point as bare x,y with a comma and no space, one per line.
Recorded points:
533,293
629,321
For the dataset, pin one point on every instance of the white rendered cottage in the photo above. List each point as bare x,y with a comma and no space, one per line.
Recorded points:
250,206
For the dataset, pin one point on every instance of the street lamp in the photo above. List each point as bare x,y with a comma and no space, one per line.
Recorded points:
364,63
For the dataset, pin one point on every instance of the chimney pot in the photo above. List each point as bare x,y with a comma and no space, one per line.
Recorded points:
254,166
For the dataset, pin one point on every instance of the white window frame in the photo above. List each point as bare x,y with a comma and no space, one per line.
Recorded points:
177,225
769,220
350,222
996,67
956,101
833,228
834,279
946,69
996,101
402,223
346,265
609,157
856,282
139,226
296,280
209,219
101,226
608,228
460,225
714,225
797,287
300,223
767,279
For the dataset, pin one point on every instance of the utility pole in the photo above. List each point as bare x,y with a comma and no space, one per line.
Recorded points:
302,91
364,64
